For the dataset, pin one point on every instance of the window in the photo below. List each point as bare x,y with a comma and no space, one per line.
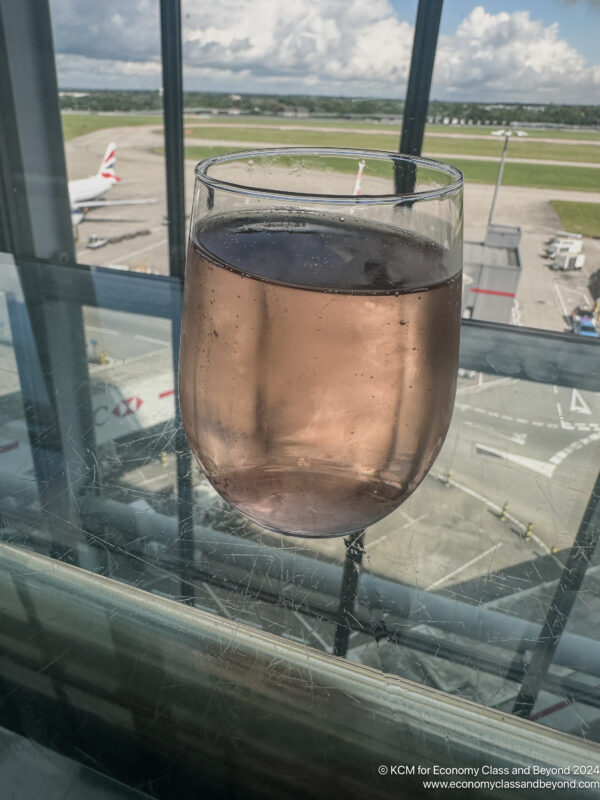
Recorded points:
154,636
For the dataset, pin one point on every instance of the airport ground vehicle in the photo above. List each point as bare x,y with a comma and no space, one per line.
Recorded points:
570,246
586,327
568,261
584,322
579,312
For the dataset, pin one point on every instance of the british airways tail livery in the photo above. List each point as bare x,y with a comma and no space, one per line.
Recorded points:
88,189
84,193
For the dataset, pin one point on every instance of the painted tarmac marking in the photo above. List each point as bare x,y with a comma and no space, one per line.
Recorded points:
578,403
454,572
535,465
560,299
481,386
490,504
566,426
150,339
143,250
108,331
545,468
380,539
560,456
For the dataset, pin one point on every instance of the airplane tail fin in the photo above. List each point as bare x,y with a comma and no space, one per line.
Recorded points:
107,167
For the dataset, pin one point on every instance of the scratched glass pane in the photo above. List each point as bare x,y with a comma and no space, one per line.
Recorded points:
154,643
454,586
17,480
492,528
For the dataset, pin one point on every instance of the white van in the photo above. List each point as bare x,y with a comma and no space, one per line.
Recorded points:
568,261
570,246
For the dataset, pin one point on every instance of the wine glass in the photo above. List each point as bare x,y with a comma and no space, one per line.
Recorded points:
320,331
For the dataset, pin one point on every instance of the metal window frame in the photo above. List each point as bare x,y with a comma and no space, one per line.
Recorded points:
36,223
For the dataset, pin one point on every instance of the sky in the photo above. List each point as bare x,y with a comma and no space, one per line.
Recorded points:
498,51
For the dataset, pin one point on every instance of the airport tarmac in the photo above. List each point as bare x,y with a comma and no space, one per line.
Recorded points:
544,297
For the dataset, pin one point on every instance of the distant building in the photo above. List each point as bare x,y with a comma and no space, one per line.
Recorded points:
299,111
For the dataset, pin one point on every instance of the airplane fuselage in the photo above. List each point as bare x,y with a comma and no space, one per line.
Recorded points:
88,189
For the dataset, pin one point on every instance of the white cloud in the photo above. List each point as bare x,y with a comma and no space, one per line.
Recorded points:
344,46
77,71
349,47
514,58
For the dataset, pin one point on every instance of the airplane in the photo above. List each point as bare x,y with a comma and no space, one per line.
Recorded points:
84,192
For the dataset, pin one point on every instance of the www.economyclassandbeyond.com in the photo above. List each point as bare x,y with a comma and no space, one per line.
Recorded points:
581,776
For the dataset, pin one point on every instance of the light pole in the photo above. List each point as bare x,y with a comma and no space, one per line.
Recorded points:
507,135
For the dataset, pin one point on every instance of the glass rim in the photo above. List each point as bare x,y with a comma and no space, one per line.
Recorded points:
202,167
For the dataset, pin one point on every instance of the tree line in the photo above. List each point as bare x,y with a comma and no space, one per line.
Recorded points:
314,105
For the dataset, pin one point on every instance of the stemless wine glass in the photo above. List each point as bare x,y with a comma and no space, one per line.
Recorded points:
319,346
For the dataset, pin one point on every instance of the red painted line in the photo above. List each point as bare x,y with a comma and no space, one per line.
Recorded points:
5,448
550,710
491,291
167,393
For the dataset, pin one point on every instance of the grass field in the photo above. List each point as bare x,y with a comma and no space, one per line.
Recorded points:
581,218
389,141
519,148
297,122
78,124
267,136
536,175
472,130
540,133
